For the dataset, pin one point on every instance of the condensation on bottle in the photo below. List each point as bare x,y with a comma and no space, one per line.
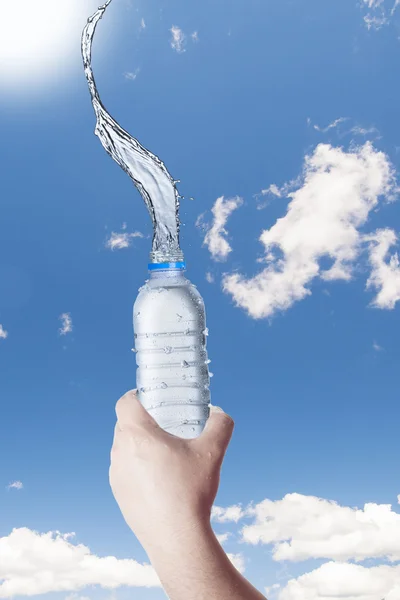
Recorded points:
172,377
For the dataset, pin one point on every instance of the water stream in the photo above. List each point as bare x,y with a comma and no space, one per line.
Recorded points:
149,174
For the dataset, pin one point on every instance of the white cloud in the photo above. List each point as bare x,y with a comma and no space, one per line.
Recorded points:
210,277
118,241
379,12
195,36
341,581
178,39
377,347
3,333
385,274
33,563
132,75
200,222
273,189
15,485
66,324
214,239
142,24
323,219
375,22
222,537
357,130
331,125
273,589
227,515
76,597
279,192
302,527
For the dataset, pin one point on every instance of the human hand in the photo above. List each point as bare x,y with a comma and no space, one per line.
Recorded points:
165,485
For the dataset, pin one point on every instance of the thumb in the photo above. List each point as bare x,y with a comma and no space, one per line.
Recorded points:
218,430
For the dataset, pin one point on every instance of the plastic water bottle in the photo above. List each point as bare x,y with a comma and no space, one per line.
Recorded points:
172,378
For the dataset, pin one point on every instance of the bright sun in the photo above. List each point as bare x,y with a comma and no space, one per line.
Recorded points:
38,37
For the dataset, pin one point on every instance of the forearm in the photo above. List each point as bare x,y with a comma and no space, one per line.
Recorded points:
194,566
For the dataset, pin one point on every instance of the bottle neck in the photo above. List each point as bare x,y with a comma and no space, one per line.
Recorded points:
180,266
175,269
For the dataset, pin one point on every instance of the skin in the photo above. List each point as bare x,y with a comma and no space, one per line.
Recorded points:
165,487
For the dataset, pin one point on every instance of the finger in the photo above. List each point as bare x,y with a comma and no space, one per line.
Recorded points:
218,431
114,444
131,413
117,431
117,437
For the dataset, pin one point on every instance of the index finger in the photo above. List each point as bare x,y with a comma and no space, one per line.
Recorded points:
130,411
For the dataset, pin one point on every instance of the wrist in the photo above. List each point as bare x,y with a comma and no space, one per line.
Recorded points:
179,538
191,564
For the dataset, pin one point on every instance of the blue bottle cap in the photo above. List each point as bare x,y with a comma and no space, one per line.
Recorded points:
169,265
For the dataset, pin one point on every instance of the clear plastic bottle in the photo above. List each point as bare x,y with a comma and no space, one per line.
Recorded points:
172,378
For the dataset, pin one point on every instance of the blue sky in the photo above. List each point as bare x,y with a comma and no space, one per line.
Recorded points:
302,97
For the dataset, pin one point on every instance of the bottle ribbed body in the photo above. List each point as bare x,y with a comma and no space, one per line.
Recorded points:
171,353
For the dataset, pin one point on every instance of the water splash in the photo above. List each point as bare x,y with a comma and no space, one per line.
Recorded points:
149,174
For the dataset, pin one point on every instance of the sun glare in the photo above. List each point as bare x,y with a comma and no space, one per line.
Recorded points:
38,38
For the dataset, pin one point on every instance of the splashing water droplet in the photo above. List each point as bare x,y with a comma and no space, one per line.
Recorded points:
134,350
208,361
206,331
179,317
142,390
211,374
164,385
184,377
168,349
187,331
185,364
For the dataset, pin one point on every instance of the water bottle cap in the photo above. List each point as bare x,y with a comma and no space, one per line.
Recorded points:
169,265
